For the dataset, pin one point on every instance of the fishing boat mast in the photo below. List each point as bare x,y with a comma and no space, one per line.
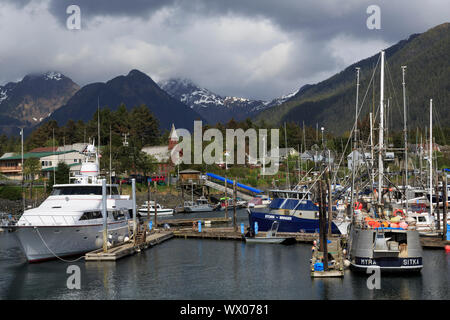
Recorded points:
380,136
430,159
355,143
406,139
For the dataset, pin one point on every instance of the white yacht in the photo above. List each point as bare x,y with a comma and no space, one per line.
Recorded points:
160,210
70,222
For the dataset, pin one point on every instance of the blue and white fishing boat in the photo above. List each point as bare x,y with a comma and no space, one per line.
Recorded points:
295,211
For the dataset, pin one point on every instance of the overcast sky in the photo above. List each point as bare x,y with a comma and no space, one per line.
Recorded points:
257,49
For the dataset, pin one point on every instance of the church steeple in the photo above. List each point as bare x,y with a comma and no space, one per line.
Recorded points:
173,137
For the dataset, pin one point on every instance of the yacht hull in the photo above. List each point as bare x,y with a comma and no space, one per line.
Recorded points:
41,243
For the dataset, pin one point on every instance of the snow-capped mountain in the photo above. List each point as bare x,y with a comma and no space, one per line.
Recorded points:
34,98
213,107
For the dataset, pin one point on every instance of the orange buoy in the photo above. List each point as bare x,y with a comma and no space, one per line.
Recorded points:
447,248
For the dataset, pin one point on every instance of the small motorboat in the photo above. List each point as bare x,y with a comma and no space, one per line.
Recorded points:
160,210
201,205
271,237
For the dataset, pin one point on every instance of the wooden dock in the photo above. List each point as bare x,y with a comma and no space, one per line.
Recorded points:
334,270
433,242
128,248
228,233
190,222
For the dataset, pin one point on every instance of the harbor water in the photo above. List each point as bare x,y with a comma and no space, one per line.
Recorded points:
211,269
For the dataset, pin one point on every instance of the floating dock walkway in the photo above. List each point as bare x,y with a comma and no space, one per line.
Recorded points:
128,248
433,242
228,233
189,222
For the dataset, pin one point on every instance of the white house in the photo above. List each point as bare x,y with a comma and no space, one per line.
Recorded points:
72,158
359,158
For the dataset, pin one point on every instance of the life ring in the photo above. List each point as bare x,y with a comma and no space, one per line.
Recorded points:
358,206
399,211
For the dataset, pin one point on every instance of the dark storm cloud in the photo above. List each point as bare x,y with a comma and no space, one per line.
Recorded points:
93,8
255,48
321,19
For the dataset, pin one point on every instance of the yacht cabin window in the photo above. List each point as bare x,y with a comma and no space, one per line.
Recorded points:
89,215
82,190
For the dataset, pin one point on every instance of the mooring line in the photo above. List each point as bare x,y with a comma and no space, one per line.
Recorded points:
43,241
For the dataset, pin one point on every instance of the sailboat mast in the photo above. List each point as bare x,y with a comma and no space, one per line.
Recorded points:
430,158
354,152
380,136
406,139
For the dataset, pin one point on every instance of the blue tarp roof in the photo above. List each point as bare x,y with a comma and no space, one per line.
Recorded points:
240,185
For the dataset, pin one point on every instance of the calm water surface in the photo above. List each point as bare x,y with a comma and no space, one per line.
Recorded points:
210,269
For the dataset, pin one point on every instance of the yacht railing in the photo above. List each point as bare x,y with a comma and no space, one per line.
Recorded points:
49,220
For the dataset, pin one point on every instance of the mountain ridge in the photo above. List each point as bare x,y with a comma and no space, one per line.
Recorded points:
134,89
331,102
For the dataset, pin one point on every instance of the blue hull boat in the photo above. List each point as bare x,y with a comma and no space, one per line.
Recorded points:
287,223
